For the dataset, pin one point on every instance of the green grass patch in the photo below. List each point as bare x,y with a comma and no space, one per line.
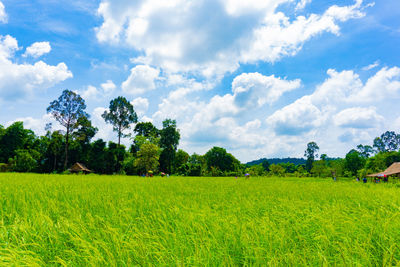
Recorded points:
77,220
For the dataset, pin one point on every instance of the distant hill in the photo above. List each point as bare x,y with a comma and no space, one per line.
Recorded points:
295,161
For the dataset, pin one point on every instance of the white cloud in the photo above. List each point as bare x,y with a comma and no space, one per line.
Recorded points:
20,80
255,89
3,14
38,125
108,87
8,46
342,108
105,130
302,4
38,49
90,93
299,117
358,117
141,80
183,36
384,84
371,66
141,105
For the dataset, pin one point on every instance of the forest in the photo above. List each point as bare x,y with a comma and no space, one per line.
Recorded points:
156,150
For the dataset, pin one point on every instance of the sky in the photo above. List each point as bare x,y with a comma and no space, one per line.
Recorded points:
261,78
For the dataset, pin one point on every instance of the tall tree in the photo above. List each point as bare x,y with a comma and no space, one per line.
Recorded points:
121,115
68,110
169,140
365,151
311,154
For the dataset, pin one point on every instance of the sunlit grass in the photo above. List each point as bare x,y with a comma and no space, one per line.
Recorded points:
79,220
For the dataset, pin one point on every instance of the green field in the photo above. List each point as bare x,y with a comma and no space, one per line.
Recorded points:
78,220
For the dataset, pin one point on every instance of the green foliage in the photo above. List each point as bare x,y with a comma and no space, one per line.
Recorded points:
354,162
311,153
4,167
13,138
147,158
24,161
121,115
217,157
256,170
69,111
169,141
181,162
277,170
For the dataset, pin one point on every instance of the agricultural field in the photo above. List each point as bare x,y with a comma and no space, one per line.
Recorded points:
77,220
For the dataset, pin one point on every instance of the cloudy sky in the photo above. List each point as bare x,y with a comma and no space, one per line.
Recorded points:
261,78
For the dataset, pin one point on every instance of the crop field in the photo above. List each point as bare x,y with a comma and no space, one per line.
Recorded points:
77,220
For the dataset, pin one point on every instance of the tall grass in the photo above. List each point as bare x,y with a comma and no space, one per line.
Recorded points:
117,220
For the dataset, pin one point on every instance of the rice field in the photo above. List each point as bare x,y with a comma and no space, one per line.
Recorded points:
77,220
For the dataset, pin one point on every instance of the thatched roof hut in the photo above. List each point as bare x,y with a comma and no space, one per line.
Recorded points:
79,167
394,169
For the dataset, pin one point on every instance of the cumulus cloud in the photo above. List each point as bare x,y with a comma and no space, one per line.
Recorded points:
358,117
332,103
142,79
302,4
3,14
294,119
38,125
105,130
90,93
94,93
141,105
38,49
255,89
18,80
108,87
183,36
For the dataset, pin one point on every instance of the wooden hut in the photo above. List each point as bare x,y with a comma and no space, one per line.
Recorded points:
393,170
79,167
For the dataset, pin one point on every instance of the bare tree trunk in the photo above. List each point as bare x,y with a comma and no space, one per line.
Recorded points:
66,149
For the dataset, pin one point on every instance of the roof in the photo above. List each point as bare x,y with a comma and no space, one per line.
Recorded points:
79,167
393,169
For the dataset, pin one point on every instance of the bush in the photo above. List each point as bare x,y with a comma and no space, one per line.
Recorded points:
4,167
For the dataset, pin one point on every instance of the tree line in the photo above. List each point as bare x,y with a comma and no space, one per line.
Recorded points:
156,150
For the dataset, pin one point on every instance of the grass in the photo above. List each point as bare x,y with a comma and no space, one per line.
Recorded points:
117,220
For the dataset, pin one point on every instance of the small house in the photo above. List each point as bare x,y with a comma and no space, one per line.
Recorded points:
79,167
393,170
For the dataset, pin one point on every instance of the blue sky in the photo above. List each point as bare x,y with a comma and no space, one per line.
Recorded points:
261,78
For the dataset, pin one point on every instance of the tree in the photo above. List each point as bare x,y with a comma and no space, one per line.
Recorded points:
379,145
146,129
121,115
147,158
24,160
388,141
277,170
365,151
180,162
354,162
55,146
169,140
217,157
311,154
146,132
391,140
68,109
13,138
